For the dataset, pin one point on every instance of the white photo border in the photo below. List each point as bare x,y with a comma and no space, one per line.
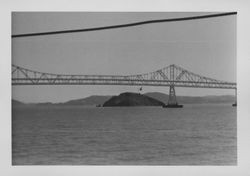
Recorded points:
242,7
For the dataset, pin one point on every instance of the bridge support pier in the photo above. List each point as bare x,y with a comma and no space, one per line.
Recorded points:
172,101
235,104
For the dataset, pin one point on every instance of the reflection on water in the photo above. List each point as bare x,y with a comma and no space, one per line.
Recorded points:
74,135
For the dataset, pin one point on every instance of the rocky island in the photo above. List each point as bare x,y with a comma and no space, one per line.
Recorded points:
132,99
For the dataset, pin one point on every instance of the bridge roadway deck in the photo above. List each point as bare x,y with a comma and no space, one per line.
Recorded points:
129,82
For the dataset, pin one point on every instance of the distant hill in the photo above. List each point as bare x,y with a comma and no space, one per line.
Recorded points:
132,99
193,99
99,100
89,101
17,103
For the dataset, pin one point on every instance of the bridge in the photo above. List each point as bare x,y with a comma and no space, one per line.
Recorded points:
171,76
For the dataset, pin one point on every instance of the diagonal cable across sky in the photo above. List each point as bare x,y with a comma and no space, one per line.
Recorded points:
122,25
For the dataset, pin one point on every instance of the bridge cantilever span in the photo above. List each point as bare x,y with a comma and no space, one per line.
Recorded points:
171,75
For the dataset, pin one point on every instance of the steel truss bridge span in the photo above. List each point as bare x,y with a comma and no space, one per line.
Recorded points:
172,75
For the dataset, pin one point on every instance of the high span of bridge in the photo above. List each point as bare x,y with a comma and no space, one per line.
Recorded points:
171,76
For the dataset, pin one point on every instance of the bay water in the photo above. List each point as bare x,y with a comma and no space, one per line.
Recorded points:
204,134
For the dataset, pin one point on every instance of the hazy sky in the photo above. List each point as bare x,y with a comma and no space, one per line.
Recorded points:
206,47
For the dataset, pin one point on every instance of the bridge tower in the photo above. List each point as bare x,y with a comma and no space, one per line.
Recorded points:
172,100
172,97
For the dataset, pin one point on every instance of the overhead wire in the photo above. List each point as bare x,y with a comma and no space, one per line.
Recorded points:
122,25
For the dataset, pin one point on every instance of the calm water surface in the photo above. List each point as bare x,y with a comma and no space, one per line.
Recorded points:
74,135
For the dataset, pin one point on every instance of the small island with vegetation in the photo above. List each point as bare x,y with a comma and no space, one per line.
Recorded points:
132,99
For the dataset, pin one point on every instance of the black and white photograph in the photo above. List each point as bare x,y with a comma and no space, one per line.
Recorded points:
135,87
124,88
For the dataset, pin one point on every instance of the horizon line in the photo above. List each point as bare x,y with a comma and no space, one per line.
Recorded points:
117,95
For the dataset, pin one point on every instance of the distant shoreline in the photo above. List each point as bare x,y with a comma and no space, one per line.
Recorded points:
99,100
